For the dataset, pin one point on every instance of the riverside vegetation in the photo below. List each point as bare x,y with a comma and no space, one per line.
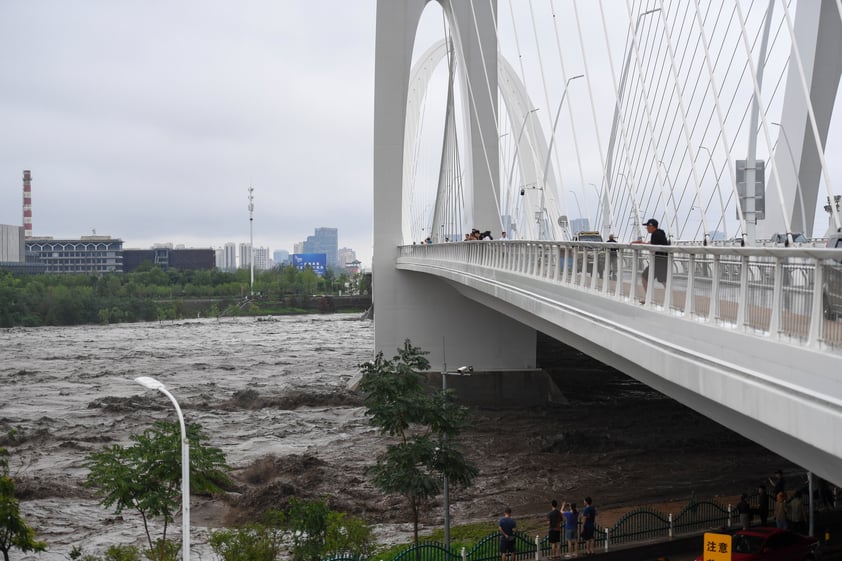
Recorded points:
150,294
145,478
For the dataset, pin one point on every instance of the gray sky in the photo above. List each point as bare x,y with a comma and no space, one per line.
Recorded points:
148,121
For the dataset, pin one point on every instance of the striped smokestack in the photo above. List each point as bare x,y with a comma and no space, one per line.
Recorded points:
27,204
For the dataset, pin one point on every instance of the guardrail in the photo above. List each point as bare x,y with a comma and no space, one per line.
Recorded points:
793,294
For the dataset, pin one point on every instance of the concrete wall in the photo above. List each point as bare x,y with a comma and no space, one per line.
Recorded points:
11,244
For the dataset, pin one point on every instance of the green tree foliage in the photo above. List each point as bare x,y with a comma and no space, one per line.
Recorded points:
312,530
14,532
146,476
113,553
147,294
255,542
425,423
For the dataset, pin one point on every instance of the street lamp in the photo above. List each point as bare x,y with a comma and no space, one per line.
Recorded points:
598,204
572,192
612,138
637,216
517,143
153,384
461,371
718,190
543,210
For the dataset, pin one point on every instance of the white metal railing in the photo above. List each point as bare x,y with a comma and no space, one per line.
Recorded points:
793,294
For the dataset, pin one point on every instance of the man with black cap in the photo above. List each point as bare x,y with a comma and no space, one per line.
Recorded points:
658,237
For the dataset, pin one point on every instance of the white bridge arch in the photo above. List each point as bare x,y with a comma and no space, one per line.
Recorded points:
530,157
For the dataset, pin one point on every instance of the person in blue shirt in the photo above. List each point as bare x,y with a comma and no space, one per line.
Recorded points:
506,528
571,526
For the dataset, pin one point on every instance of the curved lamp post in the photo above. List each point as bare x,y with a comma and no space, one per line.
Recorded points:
154,384
461,371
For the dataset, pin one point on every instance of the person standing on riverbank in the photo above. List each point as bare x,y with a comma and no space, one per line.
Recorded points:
744,510
780,510
554,530
763,505
571,527
506,527
588,525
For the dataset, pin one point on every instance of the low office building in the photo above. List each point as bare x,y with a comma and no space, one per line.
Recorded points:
167,258
88,254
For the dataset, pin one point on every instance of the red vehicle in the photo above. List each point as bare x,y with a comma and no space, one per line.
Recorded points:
772,544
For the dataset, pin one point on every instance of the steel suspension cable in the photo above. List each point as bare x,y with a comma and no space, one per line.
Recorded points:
763,119
570,115
603,184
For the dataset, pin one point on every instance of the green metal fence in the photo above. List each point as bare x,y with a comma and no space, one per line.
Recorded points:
642,524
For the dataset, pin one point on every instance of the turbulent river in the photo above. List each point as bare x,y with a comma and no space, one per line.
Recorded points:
273,394
68,391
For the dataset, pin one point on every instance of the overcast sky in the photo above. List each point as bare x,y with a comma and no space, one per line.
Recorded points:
148,121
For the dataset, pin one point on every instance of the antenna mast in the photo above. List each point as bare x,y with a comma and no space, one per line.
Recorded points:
251,238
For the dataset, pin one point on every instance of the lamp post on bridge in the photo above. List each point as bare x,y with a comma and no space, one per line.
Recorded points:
718,190
517,143
542,216
612,138
674,228
572,192
598,205
637,217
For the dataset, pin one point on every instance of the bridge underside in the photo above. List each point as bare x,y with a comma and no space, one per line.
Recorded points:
756,388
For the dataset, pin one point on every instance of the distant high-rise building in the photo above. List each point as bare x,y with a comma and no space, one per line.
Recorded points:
261,259
227,261
298,247
245,256
280,256
325,240
346,256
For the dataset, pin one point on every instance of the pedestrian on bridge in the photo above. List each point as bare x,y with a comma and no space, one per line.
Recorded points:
657,237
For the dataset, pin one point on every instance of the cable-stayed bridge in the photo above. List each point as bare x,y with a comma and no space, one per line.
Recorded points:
703,115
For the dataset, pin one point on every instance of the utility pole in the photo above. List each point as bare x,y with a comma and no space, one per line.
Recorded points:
251,238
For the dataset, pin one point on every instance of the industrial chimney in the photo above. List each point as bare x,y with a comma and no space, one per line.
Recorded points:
27,204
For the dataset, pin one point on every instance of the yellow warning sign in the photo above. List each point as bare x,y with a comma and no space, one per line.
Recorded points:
717,547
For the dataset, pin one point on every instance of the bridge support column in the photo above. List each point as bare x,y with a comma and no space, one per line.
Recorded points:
417,307
818,31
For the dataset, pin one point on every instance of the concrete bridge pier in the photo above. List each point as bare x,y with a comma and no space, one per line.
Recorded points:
424,309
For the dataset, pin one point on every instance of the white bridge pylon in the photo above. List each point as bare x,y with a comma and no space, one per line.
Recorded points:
540,211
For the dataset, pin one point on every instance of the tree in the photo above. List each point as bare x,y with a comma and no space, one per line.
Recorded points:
426,425
14,532
146,476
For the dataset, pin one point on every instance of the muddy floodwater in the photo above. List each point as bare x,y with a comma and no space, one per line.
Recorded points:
273,394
